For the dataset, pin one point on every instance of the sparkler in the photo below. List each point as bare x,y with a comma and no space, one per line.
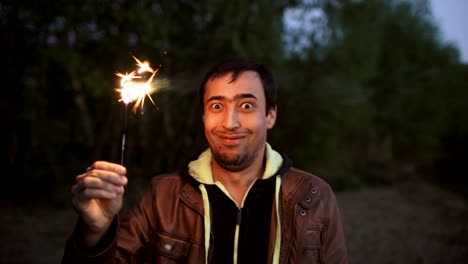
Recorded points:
134,88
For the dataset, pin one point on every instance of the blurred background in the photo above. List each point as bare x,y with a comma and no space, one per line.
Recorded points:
372,98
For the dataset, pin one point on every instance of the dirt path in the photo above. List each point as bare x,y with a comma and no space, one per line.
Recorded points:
33,235
412,222
407,223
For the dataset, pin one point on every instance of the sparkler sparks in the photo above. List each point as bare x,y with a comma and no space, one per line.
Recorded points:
144,66
136,86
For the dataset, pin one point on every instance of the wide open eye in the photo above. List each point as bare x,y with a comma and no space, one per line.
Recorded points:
247,106
216,106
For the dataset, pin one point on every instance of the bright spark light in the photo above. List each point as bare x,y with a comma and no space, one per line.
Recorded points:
136,86
144,66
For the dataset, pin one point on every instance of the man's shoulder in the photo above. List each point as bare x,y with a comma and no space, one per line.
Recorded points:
172,181
169,178
300,178
305,175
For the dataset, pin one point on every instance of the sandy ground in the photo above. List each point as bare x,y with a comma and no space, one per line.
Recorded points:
412,222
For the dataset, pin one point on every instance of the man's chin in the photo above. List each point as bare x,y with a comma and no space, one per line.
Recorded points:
230,158
231,161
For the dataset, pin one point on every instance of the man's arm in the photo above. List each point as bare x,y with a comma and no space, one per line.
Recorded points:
334,243
104,252
97,199
123,242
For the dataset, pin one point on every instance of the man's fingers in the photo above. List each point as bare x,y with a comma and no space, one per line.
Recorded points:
108,166
106,176
91,193
91,182
102,180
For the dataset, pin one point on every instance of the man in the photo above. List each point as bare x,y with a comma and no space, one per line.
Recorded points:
239,202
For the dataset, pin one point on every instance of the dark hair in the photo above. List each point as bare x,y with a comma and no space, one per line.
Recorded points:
236,66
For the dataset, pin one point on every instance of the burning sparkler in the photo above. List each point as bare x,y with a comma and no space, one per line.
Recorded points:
134,88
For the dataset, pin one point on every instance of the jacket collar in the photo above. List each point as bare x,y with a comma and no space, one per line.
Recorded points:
200,169
277,164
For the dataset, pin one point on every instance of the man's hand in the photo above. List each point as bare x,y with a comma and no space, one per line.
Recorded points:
97,198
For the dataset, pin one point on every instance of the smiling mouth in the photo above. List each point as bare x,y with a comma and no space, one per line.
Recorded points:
231,139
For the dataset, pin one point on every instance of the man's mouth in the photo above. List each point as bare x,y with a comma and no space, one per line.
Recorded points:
231,138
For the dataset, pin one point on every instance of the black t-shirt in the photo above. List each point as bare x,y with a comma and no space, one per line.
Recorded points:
254,218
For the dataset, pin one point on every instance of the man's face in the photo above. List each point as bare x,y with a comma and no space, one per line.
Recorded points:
235,119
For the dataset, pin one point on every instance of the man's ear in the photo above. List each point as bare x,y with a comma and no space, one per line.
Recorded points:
271,117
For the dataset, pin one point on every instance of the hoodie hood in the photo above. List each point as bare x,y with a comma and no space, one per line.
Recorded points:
200,169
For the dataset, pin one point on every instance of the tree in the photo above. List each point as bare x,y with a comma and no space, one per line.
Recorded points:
63,110
371,79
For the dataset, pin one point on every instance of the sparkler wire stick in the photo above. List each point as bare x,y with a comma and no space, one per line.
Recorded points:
124,134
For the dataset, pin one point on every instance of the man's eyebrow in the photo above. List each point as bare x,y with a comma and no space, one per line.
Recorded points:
236,97
216,98
245,95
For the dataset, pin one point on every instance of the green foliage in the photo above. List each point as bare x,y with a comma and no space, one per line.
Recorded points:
378,88
375,91
64,56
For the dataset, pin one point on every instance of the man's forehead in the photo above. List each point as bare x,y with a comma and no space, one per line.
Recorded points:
249,74
224,86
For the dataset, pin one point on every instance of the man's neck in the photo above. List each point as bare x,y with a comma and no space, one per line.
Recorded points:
237,183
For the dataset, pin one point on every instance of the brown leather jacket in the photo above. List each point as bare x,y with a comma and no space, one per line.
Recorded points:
167,226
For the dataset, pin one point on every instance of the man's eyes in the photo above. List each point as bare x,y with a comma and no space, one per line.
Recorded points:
216,106
246,106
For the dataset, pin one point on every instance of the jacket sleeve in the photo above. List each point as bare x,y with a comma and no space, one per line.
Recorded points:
334,243
123,243
104,252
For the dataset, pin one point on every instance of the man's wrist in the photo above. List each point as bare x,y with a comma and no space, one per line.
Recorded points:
88,237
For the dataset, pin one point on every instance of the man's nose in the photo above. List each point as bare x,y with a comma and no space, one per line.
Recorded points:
231,119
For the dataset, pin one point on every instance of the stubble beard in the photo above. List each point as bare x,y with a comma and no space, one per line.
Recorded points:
234,162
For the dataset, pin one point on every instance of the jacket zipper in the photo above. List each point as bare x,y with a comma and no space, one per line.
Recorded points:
236,236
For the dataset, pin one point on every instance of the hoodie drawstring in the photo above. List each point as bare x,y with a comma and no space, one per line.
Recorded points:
207,219
276,253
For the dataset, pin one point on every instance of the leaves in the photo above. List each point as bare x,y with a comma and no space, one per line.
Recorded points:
374,85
